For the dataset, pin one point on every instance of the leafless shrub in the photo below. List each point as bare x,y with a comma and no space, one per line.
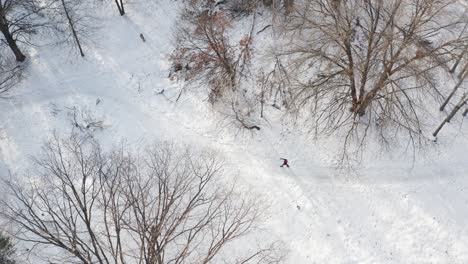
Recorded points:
206,56
165,205
205,53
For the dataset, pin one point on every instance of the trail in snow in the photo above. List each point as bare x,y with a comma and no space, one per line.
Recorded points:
389,215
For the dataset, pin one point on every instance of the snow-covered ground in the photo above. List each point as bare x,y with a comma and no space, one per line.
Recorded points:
392,210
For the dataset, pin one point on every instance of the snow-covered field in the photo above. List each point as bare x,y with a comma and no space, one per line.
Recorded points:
391,210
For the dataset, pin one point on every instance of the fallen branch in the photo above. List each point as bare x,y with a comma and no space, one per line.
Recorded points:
242,121
263,29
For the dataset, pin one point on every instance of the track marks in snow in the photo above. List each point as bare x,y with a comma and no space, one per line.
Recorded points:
383,217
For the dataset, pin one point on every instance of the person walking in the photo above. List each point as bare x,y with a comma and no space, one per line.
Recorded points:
285,163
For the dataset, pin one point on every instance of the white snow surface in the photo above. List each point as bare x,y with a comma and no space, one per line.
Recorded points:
392,210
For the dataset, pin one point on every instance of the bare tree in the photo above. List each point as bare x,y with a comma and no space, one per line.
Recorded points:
165,205
19,19
370,65
72,22
5,28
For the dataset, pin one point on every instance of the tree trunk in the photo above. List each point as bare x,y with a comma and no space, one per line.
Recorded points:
361,109
454,68
367,99
72,27
10,40
451,115
454,89
120,6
